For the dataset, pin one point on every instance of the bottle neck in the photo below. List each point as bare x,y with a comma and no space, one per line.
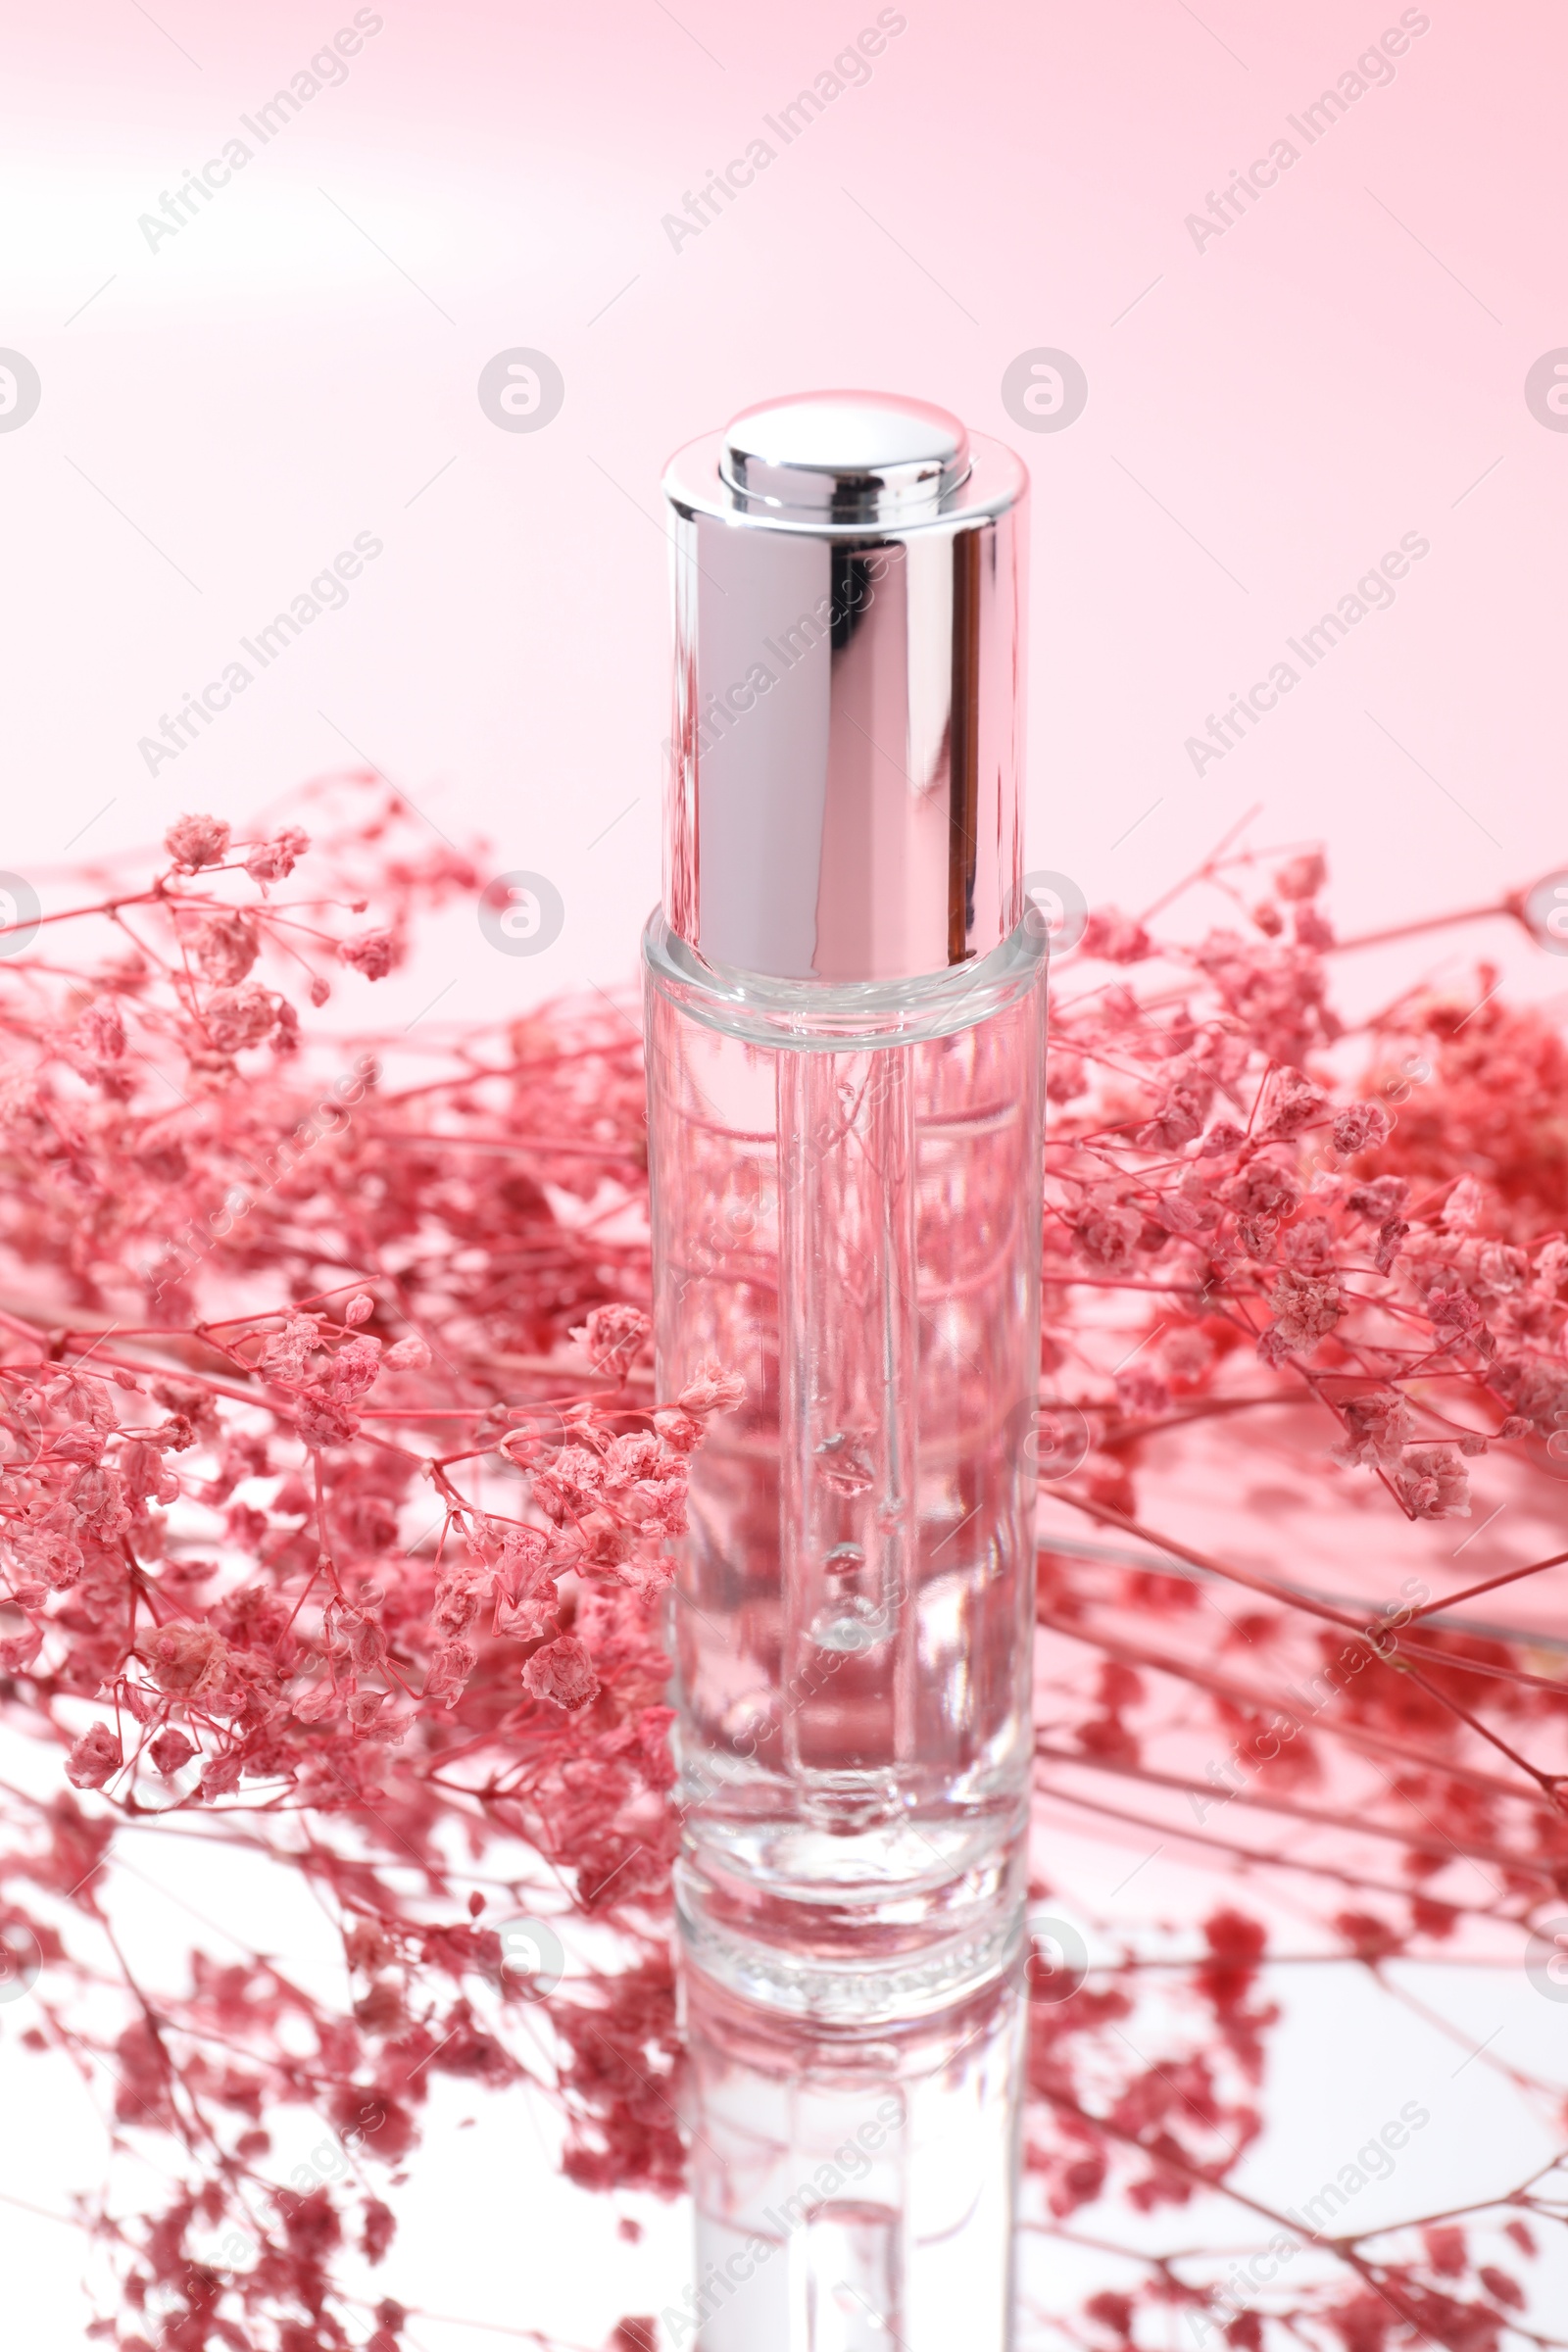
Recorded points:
844,1015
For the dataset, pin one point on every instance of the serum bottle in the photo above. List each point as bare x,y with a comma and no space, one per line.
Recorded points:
846,1038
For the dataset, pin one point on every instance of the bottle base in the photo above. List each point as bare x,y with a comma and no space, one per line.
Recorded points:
840,1986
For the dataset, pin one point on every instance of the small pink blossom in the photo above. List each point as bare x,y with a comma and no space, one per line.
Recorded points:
237,1017
288,1350
189,1661
1179,1118
521,1558
1360,1128
529,1596
1379,1200
1263,1188
1376,1429
1306,1307
1107,1234
1188,1211
1500,1270
1308,1246
1432,1483
681,1430
570,1485
1464,1207
449,1671
1277,991
96,1757
1551,1266
373,952
459,1598
562,1672
223,948
1291,1103
171,1751
606,1542
1302,877
273,860
614,1336
408,1355
1390,1243
197,841
1454,1314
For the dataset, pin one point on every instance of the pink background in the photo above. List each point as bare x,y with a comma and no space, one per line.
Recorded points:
1345,364
1296,396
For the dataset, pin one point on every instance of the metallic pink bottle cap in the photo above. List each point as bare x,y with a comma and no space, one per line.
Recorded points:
847,749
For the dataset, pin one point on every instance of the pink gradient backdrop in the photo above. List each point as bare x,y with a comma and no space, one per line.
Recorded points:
299,363
1317,382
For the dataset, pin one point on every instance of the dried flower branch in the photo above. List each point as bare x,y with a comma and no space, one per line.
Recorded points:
335,1511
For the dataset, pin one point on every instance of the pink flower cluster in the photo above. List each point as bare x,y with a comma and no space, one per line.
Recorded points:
336,1501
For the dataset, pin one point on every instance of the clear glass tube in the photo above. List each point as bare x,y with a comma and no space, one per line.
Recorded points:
846,1200
846,1178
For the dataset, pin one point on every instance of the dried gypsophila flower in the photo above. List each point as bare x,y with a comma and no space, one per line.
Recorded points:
337,1654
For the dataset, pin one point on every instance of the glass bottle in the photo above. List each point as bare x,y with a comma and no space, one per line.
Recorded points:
846,1038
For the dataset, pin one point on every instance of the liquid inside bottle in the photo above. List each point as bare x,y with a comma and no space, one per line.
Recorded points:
846,1187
